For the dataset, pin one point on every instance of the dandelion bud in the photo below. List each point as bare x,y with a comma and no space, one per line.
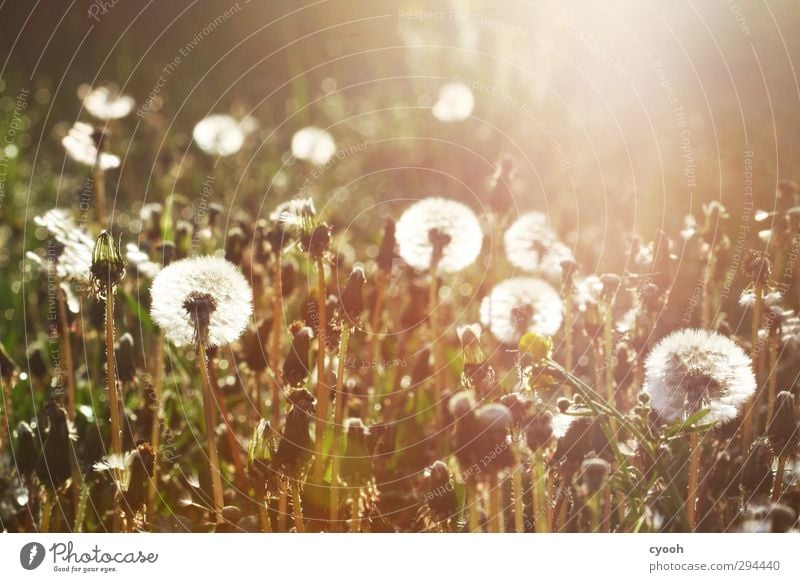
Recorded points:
352,299
387,252
757,468
539,430
518,405
8,367
783,429
317,241
53,467
563,405
167,251
107,268
126,358
470,338
440,493
295,366
782,518
295,446
594,472
215,210
140,464
184,232
25,453
357,461
583,435
644,398
260,448
538,347
254,346
37,362
234,245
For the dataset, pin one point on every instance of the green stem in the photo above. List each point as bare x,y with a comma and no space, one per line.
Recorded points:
155,428
208,409
275,341
322,394
516,484
337,430
438,357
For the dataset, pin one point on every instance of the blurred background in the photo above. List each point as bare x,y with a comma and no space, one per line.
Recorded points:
621,117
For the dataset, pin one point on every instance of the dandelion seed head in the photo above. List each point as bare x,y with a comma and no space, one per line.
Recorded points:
294,213
314,145
436,224
106,103
81,146
692,369
533,247
455,103
221,135
211,277
75,257
520,305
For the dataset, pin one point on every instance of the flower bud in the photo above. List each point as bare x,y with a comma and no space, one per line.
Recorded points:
539,430
107,268
352,299
757,468
594,473
295,366
126,358
356,468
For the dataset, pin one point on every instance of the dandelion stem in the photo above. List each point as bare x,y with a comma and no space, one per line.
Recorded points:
297,507
438,357
338,413
322,394
66,349
5,418
113,400
516,484
606,522
355,510
99,193
750,411
694,468
80,511
778,484
155,428
773,370
608,359
472,506
495,505
208,409
283,508
263,513
568,324
541,513
275,340
46,507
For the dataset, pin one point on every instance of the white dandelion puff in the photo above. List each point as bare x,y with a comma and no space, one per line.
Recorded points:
73,256
437,230
293,213
533,247
693,369
455,103
213,279
519,305
221,135
81,146
312,144
106,102
748,298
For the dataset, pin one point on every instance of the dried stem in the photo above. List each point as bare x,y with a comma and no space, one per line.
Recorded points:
208,409
438,357
778,484
297,507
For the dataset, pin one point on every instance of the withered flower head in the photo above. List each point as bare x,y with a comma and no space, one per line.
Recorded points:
440,493
756,267
295,366
539,430
757,469
126,358
107,268
357,467
295,447
352,299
